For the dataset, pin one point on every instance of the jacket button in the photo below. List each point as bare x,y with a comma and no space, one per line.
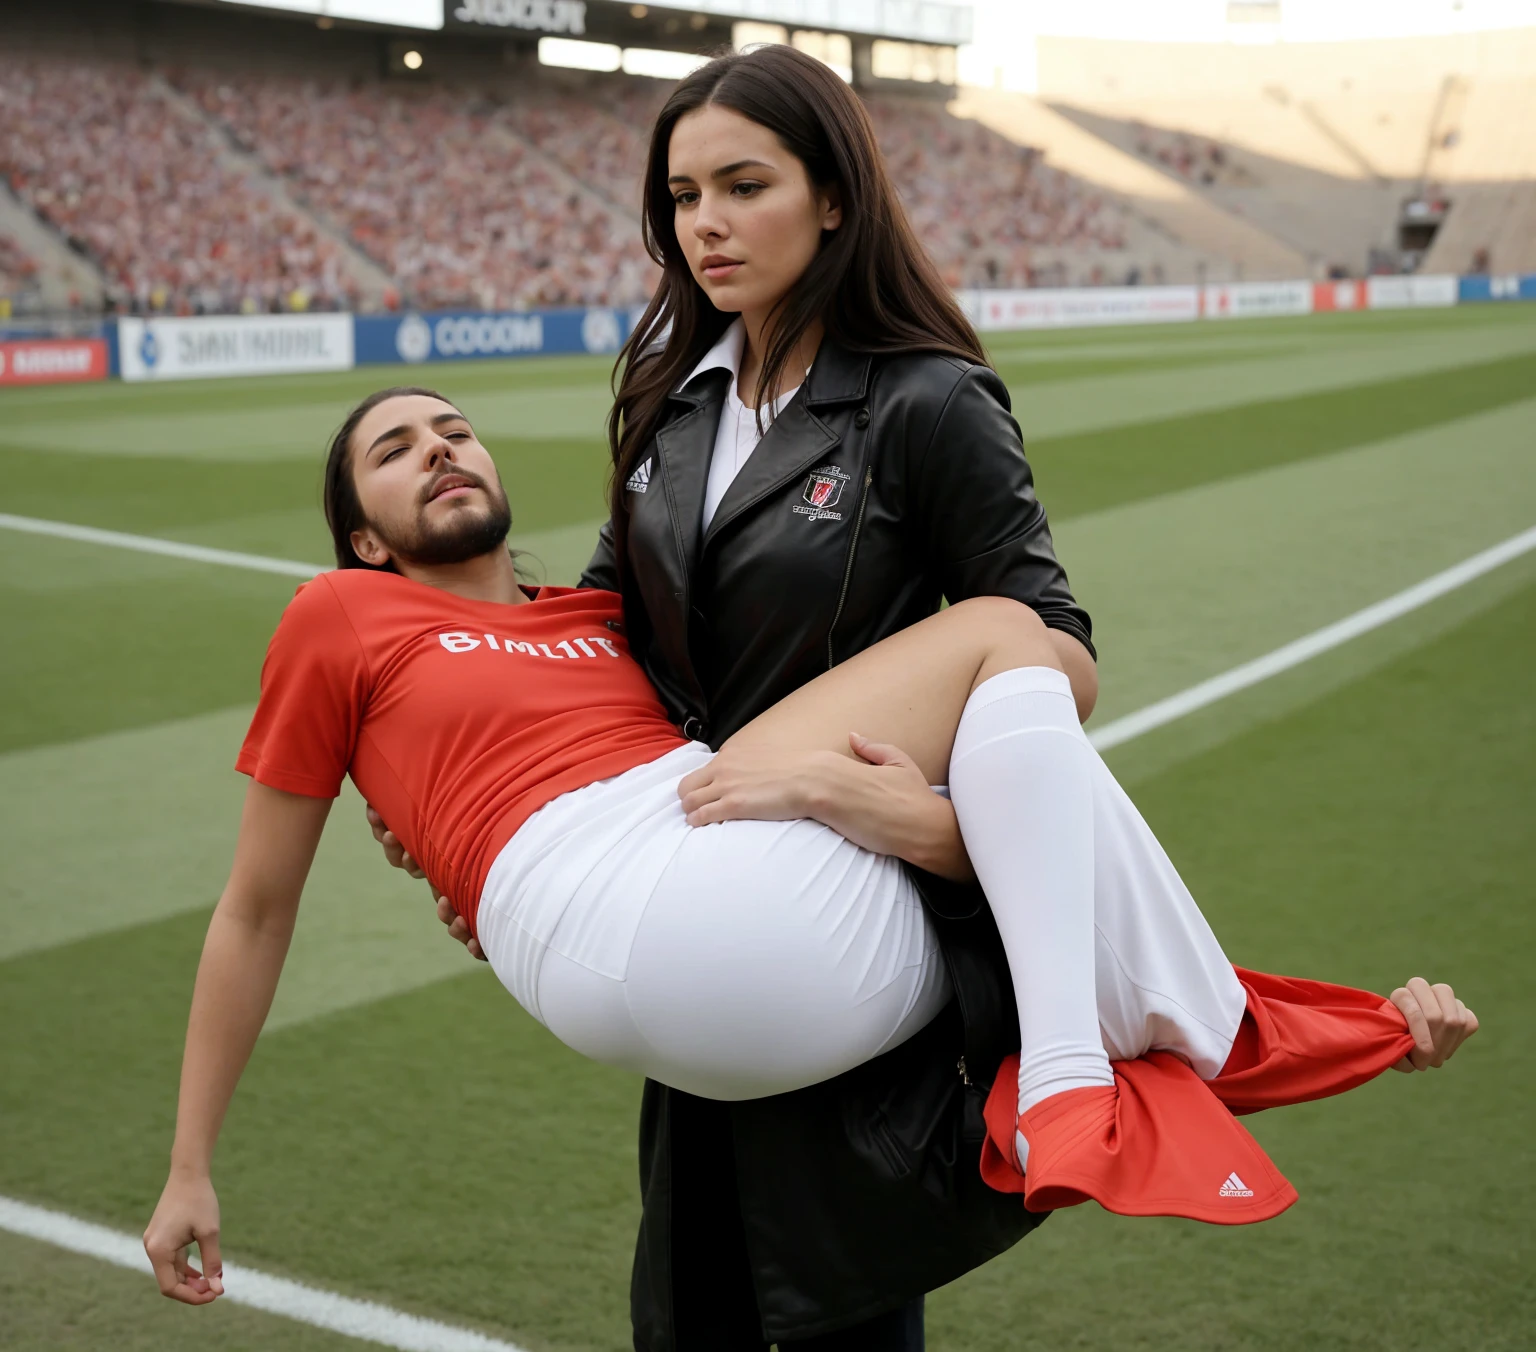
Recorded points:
693,728
861,418
615,625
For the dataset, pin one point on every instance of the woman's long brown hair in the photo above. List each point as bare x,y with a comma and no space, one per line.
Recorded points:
872,286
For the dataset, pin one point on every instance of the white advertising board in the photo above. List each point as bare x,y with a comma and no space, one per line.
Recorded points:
232,345
1246,300
1405,293
1049,308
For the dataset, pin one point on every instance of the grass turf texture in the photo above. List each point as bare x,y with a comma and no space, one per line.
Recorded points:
418,1140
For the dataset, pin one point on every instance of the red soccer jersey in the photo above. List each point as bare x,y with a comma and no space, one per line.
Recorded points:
456,719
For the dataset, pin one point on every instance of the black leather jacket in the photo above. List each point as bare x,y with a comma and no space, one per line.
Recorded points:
886,484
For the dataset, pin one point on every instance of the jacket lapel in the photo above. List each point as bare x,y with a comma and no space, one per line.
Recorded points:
685,447
798,439
795,442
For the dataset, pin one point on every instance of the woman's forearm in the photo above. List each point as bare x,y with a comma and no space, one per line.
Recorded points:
889,809
236,981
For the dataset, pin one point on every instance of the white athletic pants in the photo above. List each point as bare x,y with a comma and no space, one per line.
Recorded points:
751,958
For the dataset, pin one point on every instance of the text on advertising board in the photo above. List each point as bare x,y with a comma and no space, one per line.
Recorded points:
52,361
183,348
453,336
543,16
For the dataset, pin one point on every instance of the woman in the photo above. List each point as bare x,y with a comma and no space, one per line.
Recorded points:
894,478
528,761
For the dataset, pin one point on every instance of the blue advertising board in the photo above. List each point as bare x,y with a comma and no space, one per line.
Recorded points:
1507,287
460,335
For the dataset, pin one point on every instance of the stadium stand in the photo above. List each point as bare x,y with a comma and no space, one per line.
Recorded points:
436,187
597,129
982,204
141,189
1483,156
1322,143
221,162
1166,220
1330,215
271,168
18,270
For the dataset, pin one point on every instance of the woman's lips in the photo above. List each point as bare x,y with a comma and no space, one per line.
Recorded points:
719,271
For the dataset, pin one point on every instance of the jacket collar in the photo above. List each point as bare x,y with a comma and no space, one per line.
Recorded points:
725,355
837,376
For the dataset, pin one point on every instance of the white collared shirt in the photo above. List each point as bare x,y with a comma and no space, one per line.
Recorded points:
737,436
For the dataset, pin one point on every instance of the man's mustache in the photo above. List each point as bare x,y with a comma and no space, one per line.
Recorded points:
469,478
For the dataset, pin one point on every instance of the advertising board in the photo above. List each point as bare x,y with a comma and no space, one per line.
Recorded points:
52,361
1248,300
1413,292
1510,286
534,16
232,345
1339,295
459,335
1050,308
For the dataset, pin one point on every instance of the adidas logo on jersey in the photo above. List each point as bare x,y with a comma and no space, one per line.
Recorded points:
1234,1187
640,480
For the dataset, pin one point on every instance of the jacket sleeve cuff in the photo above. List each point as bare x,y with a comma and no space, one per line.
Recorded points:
1024,569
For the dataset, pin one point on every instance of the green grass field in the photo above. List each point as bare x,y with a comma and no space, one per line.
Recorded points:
407,1135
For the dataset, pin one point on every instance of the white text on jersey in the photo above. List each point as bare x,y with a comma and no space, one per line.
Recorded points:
460,642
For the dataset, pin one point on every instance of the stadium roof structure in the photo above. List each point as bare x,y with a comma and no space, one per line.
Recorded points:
942,22
939,22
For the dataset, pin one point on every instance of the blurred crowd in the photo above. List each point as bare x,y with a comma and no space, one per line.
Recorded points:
438,190
18,269
600,135
107,157
1196,159
983,205
504,198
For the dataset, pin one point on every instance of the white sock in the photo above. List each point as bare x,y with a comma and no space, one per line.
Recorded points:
1022,780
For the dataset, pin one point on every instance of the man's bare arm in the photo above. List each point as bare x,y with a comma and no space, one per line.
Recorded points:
242,959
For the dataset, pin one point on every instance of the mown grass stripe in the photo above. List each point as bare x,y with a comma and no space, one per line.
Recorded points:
1111,734
1090,471
1312,645
362,1319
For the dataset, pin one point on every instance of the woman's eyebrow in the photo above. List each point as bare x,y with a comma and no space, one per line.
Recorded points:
724,170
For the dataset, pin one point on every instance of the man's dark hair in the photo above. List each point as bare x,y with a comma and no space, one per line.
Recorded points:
343,510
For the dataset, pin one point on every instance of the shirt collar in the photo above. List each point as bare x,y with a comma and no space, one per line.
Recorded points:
725,355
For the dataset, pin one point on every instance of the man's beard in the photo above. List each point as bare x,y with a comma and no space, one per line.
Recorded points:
465,533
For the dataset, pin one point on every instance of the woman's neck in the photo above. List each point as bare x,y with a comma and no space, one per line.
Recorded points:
759,335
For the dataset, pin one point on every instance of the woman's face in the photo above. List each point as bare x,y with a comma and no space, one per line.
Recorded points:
748,218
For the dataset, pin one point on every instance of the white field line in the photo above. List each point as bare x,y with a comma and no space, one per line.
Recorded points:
245,1286
148,544
1311,645
391,1328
